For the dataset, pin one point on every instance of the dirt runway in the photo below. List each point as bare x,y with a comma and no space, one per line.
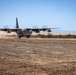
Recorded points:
36,56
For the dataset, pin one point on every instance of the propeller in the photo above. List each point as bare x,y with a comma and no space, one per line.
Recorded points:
6,29
34,27
45,26
5,26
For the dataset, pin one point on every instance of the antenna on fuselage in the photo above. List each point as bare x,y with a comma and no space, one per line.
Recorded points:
17,25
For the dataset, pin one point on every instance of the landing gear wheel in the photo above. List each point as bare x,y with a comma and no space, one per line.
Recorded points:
19,37
28,36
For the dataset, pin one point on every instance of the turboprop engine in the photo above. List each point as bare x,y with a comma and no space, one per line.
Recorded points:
8,31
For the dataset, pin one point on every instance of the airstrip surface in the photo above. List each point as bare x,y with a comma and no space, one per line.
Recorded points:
36,56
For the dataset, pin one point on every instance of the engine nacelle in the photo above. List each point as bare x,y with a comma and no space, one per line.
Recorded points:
8,31
49,30
37,31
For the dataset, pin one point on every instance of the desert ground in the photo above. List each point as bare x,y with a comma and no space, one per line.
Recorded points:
37,56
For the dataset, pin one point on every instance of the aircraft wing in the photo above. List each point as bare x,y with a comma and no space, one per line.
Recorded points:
41,29
9,29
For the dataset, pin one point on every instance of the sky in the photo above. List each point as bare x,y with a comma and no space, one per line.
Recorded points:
39,13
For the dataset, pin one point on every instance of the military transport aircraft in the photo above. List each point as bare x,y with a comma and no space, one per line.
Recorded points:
24,32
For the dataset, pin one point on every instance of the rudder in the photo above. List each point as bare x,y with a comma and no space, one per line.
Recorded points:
17,25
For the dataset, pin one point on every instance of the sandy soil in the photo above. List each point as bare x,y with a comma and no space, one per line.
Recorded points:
36,56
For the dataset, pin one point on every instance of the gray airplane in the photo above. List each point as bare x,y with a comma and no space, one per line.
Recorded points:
25,32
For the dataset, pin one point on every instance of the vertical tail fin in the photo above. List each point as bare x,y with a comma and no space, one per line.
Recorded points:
17,25
18,31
